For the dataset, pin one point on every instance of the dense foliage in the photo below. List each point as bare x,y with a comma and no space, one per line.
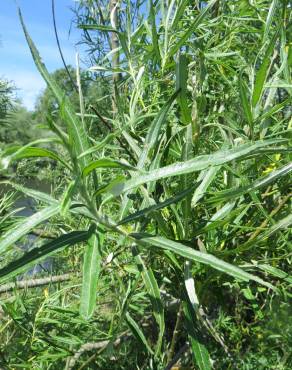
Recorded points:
167,223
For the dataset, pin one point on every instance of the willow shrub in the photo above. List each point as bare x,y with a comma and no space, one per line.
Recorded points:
183,206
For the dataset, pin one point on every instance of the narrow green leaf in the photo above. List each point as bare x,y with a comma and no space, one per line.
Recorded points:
34,256
272,11
100,145
91,269
199,349
30,152
181,86
148,210
154,130
67,197
154,294
245,103
186,181
107,163
207,177
275,272
154,33
132,143
38,195
212,225
197,164
201,354
276,108
76,131
123,41
259,183
57,130
205,258
263,71
97,27
138,333
222,212
24,227
184,37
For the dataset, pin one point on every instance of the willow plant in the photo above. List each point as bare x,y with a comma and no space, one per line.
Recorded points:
190,185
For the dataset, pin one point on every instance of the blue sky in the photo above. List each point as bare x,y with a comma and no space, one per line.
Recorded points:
16,63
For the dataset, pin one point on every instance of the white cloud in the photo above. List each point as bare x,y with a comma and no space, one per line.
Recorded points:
30,84
16,63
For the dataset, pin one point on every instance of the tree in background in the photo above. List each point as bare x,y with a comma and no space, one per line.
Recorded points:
18,127
94,90
6,97
47,103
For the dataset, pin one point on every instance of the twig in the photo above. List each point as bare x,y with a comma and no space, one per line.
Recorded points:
43,234
32,283
96,347
110,128
175,333
103,120
59,47
265,222
177,356
99,347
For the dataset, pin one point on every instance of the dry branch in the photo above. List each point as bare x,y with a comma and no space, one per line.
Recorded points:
32,283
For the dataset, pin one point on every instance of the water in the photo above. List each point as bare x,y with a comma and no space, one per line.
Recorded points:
26,207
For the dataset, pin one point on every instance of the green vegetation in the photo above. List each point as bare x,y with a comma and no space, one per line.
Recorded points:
6,97
168,221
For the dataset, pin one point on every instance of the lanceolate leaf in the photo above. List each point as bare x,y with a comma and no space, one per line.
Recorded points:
245,103
24,227
197,164
138,333
38,195
37,254
199,349
184,37
201,354
67,197
275,272
207,177
75,128
205,258
97,27
154,130
154,31
148,210
91,268
263,71
154,294
264,181
100,145
30,152
181,86
186,181
271,14
106,163
276,108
